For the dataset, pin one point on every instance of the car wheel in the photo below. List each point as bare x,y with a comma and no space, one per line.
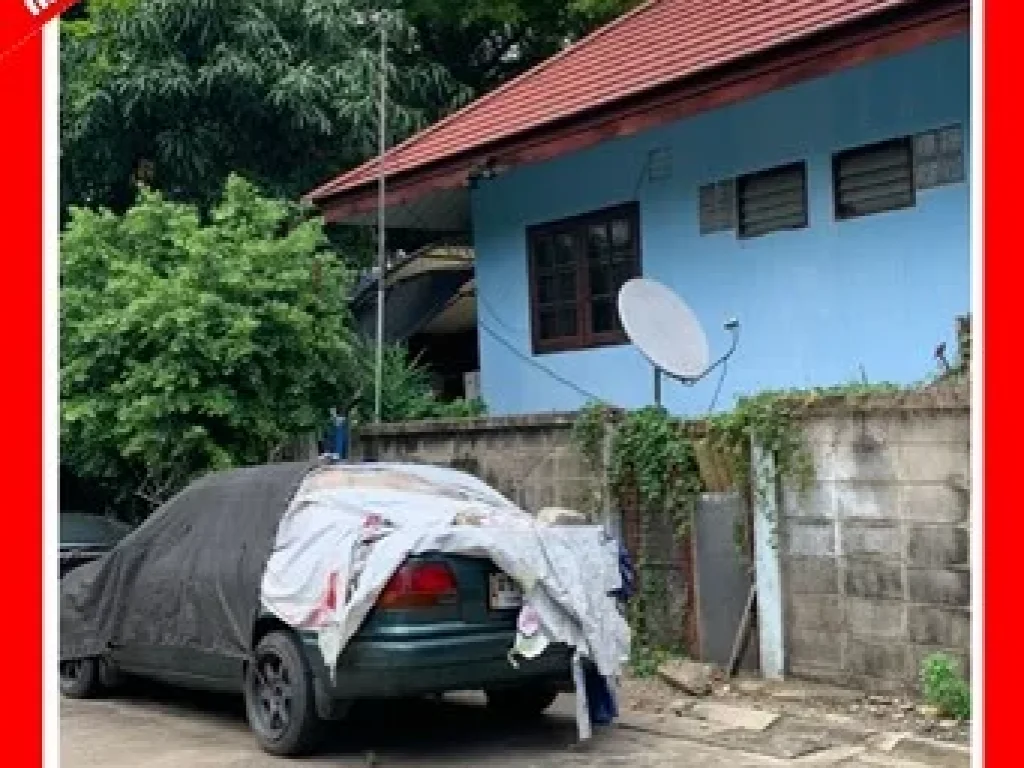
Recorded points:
279,700
526,702
80,678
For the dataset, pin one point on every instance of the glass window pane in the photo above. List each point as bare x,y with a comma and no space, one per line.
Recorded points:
567,321
602,316
565,252
600,280
547,324
546,289
542,254
622,271
598,246
567,286
621,233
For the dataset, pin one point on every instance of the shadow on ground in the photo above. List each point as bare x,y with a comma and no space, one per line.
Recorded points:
422,730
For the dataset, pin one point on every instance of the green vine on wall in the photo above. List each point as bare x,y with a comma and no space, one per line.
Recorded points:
660,465
667,462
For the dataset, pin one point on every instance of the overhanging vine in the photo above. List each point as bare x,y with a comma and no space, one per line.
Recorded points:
660,464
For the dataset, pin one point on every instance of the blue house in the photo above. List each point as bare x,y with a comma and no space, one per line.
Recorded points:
800,165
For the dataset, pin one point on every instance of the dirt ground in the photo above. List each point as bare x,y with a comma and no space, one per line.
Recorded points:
804,700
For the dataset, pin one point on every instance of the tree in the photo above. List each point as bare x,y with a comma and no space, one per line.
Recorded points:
484,43
190,345
178,94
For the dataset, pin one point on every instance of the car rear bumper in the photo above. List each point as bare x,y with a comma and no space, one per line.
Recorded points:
414,665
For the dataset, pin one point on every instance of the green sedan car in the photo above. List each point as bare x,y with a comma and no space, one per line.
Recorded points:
177,601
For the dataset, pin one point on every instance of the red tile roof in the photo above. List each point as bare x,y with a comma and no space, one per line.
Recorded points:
658,43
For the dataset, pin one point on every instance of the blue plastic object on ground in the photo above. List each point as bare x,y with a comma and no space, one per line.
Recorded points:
628,574
600,699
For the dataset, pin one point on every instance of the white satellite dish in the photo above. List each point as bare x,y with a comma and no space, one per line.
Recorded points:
667,332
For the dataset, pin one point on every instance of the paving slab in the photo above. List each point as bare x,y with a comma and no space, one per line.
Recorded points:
690,677
733,716
671,726
932,752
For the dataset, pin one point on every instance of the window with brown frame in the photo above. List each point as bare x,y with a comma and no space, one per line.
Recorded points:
577,267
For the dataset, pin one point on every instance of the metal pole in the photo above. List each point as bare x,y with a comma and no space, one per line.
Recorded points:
381,257
657,386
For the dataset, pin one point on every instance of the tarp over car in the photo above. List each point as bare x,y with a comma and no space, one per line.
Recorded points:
190,575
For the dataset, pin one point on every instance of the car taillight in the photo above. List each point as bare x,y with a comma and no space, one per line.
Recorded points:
419,585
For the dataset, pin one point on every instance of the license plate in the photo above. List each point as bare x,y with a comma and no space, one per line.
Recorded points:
503,593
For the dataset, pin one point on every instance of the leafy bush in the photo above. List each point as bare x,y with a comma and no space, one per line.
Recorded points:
944,686
191,344
407,394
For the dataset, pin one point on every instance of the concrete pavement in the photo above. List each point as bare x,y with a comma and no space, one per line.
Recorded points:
157,728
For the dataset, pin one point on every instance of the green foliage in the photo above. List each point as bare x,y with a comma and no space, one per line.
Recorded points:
651,460
484,43
406,394
178,94
768,419
653,457
651,464
644,660
188,346
944,686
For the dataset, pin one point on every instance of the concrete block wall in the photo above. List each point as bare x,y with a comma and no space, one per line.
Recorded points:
876,553
531,459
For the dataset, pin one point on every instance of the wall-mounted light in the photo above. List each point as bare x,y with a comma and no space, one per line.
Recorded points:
484,171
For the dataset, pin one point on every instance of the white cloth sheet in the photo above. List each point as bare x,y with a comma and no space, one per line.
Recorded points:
351,526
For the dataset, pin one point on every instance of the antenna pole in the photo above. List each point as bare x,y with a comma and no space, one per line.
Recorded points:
657,386
381,256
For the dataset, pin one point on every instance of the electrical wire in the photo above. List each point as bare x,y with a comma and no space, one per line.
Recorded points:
483,303
543,368
718,386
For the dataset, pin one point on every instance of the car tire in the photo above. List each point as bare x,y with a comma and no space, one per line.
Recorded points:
521,703
279,699
80,678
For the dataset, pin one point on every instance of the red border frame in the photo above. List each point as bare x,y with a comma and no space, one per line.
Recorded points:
21,452
1003,529
21,200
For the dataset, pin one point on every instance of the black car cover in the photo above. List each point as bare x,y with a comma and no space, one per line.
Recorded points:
190,575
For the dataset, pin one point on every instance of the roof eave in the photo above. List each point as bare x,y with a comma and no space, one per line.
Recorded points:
885,34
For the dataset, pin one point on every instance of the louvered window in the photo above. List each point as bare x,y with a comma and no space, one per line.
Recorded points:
875,178
772,200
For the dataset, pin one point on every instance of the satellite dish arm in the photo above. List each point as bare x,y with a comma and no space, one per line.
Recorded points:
733,325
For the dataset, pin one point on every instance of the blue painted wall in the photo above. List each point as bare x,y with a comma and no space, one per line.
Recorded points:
818,306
